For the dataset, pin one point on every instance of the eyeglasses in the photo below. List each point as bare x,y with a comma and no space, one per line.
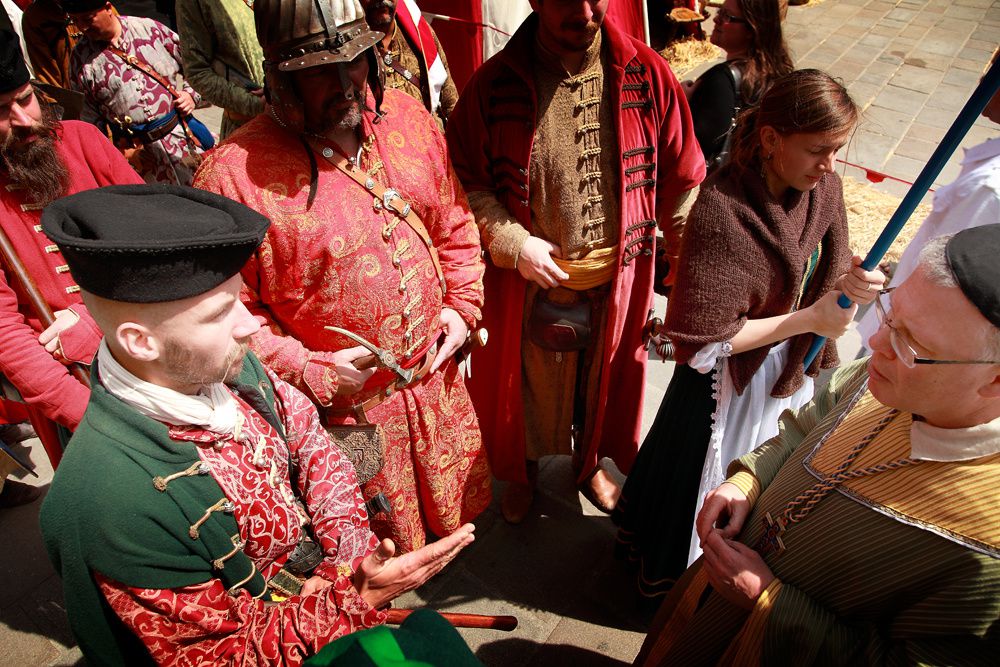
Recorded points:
902,347
723,16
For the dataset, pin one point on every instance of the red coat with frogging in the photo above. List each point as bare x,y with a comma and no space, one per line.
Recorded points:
490,137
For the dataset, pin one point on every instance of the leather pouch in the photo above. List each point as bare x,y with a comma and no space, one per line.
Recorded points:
363,445
560,327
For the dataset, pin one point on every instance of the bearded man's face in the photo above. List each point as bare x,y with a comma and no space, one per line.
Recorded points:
379,13
27,146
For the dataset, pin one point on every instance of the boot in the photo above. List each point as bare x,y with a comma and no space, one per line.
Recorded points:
15,494
601,489
14,433
518,496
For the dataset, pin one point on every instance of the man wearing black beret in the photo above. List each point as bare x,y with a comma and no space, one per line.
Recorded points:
42,159
868,530
201,514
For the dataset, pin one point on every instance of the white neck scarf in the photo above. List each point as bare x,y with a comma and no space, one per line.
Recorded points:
213,409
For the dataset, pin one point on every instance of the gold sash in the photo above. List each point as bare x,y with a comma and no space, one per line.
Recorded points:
592,270
956,499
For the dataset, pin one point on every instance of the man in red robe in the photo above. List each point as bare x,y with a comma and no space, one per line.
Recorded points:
370,234
574,144
42,159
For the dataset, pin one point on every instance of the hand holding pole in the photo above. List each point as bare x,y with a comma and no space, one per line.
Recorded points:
988,86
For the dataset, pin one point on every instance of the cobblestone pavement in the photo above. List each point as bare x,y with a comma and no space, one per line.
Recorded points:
911,64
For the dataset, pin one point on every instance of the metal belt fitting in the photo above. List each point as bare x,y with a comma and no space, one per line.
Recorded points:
385,357
391,195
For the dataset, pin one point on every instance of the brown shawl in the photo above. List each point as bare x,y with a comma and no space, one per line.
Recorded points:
743,257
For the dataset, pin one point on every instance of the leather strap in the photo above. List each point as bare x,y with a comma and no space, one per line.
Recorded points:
132,61
397,67
144,67
391,200
736,78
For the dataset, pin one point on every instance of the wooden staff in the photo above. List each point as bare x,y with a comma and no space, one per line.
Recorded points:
36,301
504,623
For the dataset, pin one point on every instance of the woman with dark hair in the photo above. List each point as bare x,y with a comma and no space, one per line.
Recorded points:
749,31
764,257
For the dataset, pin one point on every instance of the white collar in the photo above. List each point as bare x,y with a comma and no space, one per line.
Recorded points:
932,443
213,408
982,152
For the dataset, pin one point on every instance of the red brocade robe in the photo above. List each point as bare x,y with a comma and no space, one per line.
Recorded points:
51,393
490,135
202,624
342,262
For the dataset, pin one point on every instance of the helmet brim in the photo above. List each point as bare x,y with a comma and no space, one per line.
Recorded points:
320,51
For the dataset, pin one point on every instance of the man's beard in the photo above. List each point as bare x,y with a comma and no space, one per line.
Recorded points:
186,367
586,31
36,166
375,7
349,119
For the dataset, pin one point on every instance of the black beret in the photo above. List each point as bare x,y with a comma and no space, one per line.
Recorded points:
974,258
152,243
81,6
13,71
425,637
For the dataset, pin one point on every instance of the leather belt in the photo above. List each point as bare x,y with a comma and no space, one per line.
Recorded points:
158,133
124,128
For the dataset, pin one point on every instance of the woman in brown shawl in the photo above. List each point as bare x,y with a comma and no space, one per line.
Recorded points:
764,257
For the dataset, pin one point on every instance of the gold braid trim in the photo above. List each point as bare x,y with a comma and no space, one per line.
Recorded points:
238,584
197,468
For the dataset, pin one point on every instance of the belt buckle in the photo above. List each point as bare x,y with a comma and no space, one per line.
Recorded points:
387,198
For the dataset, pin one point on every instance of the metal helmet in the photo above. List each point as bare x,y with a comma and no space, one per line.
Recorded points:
296,34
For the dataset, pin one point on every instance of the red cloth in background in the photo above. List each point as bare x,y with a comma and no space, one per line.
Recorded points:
463,40
12,413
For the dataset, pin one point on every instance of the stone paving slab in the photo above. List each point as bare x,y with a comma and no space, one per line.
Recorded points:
910,64
924,60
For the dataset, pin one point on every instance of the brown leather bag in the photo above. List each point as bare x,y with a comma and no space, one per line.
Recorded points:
364,446
560,327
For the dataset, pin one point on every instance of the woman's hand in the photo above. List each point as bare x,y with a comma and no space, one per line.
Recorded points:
859,285
827,318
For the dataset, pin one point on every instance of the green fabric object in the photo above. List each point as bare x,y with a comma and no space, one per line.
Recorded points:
103,514
425,639
217,36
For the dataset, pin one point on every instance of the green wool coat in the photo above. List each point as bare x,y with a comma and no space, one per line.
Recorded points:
103,514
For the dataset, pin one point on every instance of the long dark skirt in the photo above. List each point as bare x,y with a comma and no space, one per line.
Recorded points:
655,513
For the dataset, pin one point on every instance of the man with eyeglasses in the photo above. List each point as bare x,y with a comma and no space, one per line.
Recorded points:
971,199
868,529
